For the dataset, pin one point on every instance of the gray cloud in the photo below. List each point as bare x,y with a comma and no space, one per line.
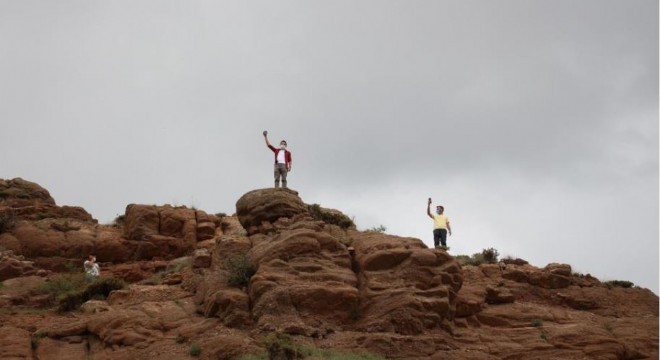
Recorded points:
535,122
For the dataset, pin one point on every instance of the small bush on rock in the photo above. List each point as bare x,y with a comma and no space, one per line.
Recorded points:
282,347
619,283
330,216
490,255
537,322
62,284
377,229
240,270
195,350
486,256
100,289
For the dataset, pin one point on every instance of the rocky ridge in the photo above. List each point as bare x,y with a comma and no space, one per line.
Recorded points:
225,283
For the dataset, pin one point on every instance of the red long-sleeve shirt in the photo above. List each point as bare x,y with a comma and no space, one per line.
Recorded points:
287,155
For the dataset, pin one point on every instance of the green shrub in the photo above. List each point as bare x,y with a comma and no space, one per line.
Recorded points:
120,220
15,193
377,229
195,350
99,290
220,214
70,300
174,267
619,283
333,217
240,270
486,256
62,284
544,336
537,322
608,327
340,355
490,255
282,347
104,286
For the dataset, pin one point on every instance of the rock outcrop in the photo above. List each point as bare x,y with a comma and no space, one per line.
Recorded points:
59,238
405,287
25,200
259,209
224,285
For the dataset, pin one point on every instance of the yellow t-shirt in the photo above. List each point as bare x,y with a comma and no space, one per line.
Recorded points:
440,221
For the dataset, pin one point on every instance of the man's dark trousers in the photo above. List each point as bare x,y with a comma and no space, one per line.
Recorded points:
440,237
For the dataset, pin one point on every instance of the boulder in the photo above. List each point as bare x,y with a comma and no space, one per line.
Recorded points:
499,295
559,269
201,258
25,200
205,231
18,192
52,248
161,231
549,280
12,266
303,280
470,301
405,287
258,208
140,221
94,306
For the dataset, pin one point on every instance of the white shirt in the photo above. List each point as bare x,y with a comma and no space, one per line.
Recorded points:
281,157
92,269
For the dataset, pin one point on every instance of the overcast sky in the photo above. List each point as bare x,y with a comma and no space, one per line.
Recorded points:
534,122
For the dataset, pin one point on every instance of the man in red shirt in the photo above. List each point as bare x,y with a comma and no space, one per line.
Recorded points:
282,161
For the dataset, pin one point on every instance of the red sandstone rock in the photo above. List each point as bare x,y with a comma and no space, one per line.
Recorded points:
14,343
404,286
12,266
411,304
305,277
201,258
215,297
267,205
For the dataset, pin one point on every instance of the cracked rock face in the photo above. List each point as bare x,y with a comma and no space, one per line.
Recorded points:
307,278
405,287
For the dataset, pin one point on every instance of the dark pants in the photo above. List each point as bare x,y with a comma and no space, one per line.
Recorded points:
440,236
280,172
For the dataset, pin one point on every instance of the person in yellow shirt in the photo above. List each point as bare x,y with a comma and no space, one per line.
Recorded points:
440,225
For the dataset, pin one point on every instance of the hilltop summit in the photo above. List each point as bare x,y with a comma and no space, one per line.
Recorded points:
286,279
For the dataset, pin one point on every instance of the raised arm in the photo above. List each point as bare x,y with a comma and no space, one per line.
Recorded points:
266,139
428,209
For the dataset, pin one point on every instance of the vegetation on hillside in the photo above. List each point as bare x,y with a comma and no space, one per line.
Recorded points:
280,346
240,270
333,217
69,291
486,256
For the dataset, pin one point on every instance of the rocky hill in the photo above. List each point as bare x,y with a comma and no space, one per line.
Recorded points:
282,279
